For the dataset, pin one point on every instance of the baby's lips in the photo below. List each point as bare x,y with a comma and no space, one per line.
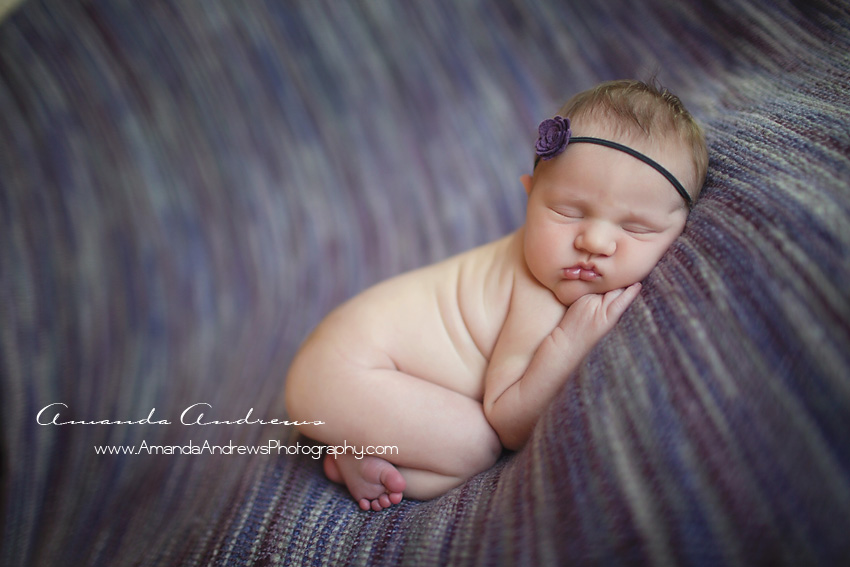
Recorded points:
572,273
580,273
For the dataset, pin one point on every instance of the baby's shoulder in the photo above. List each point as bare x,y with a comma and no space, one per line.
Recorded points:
473,271
489,271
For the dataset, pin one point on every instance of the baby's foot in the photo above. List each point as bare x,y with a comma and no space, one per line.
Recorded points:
373,482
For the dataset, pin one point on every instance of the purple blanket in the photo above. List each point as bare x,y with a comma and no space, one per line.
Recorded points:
187,188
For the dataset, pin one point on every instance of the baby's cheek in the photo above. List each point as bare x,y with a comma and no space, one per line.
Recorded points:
539,250
641,263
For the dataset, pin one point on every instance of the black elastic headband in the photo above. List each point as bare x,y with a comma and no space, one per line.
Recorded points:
645,159
554,134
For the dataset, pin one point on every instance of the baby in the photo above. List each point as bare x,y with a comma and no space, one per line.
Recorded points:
452,362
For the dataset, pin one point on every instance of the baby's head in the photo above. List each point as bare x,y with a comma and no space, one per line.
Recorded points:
647,115
616,174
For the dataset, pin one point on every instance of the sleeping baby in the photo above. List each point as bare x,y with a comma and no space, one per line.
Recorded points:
453,362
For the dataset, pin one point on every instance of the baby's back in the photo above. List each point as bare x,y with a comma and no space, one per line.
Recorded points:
439,323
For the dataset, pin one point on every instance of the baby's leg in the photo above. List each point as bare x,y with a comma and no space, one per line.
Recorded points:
442,436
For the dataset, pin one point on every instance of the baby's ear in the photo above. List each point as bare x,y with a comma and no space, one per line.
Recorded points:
526,182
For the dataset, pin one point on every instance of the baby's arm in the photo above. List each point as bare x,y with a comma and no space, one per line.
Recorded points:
528,365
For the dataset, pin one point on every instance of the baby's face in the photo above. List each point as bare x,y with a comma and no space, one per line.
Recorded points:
599,219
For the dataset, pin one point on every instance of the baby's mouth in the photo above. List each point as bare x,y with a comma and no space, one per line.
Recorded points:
584,272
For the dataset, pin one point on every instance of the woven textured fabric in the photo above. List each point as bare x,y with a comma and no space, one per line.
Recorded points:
187,188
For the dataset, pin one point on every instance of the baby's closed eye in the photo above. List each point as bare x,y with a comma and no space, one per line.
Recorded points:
635,228
569,212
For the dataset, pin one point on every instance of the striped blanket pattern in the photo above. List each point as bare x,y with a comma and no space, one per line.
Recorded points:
187,188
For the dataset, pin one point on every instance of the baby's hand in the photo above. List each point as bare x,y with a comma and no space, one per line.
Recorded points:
593,315
512,412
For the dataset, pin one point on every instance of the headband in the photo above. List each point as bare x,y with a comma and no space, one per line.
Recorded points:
555,134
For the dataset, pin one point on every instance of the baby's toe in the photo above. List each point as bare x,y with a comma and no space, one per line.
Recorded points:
392,480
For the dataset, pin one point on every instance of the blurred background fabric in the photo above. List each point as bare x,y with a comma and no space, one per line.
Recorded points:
187,187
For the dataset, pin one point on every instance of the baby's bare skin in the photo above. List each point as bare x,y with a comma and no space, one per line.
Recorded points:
453,361
415,346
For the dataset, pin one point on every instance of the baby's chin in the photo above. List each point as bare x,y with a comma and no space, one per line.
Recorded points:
568,292
572,293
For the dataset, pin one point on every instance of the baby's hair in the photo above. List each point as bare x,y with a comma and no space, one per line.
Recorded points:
647,107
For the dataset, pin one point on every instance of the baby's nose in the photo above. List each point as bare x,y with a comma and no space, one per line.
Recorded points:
596,238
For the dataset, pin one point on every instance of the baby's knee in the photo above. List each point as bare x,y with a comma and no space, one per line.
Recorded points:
491,445
483,449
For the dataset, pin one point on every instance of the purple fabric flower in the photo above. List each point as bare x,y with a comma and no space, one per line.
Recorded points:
554,137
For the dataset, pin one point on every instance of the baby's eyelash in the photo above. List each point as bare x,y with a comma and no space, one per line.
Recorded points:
638,229
568,213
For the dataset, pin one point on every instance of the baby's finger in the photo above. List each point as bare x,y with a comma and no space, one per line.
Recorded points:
614,294
623,299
